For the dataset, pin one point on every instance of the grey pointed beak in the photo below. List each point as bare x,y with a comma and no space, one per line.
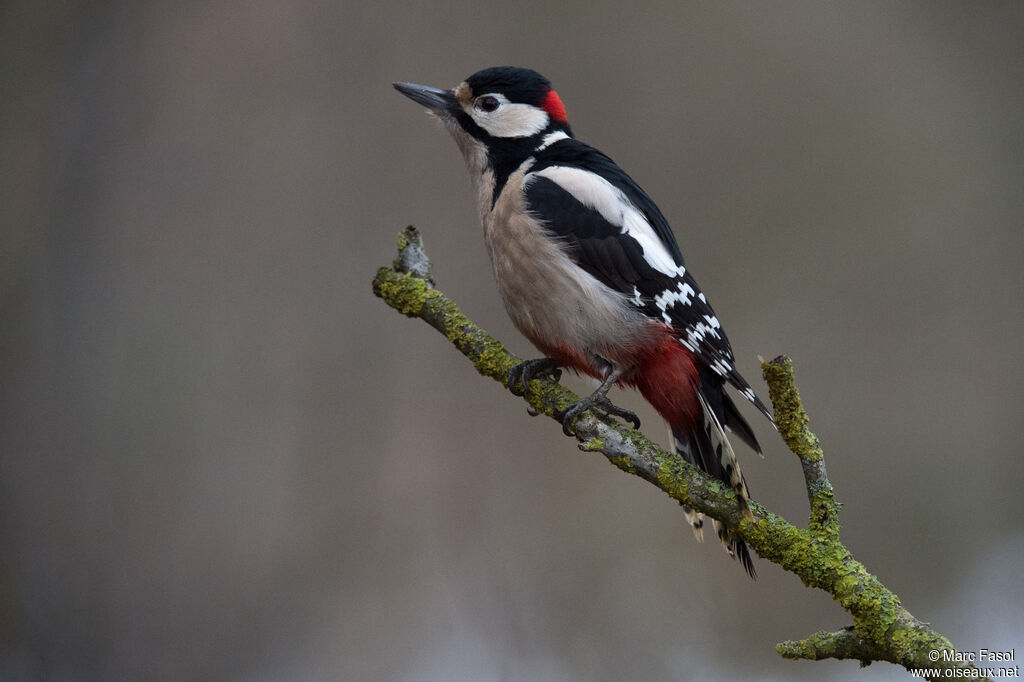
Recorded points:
438,101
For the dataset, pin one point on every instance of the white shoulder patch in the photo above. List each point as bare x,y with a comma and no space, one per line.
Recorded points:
552,138
595,192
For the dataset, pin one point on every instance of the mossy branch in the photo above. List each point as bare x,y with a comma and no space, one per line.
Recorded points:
882,629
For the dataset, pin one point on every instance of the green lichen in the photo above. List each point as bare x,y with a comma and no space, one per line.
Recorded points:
672,480
487,354
903,642
690,486
845,589
874,608
790,417
824,520
784,544
405,294
882,629
798,650
814,561
493,361
829,566
911,645
624,463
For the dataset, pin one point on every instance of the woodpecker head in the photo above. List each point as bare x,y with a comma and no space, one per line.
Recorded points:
496,115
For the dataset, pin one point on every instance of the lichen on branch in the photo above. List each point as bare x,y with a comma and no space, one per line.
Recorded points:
882,629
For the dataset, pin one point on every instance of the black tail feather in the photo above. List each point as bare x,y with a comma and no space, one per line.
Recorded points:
705,445
742,553
737,424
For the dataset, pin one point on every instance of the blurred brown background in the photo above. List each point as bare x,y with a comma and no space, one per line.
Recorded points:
223,458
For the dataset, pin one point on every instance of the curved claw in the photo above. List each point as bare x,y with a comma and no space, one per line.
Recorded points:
595,402
520,376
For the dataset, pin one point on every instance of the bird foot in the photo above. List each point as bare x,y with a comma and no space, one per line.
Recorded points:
597,401
520,376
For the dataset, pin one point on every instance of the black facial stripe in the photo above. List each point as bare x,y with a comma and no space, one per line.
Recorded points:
506,154
467,123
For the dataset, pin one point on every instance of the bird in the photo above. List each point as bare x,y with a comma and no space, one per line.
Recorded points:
591,274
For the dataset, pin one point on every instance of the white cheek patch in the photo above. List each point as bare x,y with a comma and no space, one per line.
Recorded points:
595,192
510,119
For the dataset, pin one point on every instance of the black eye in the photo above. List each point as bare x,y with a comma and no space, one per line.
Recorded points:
487,103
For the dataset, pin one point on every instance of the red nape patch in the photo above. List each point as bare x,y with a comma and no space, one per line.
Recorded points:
553,105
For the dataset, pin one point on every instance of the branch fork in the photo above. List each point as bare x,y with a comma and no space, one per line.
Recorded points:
882,629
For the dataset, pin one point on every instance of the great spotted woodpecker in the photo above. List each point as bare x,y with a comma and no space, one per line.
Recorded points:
590,272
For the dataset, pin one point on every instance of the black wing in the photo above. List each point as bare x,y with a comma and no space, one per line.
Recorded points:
614,256
575,154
